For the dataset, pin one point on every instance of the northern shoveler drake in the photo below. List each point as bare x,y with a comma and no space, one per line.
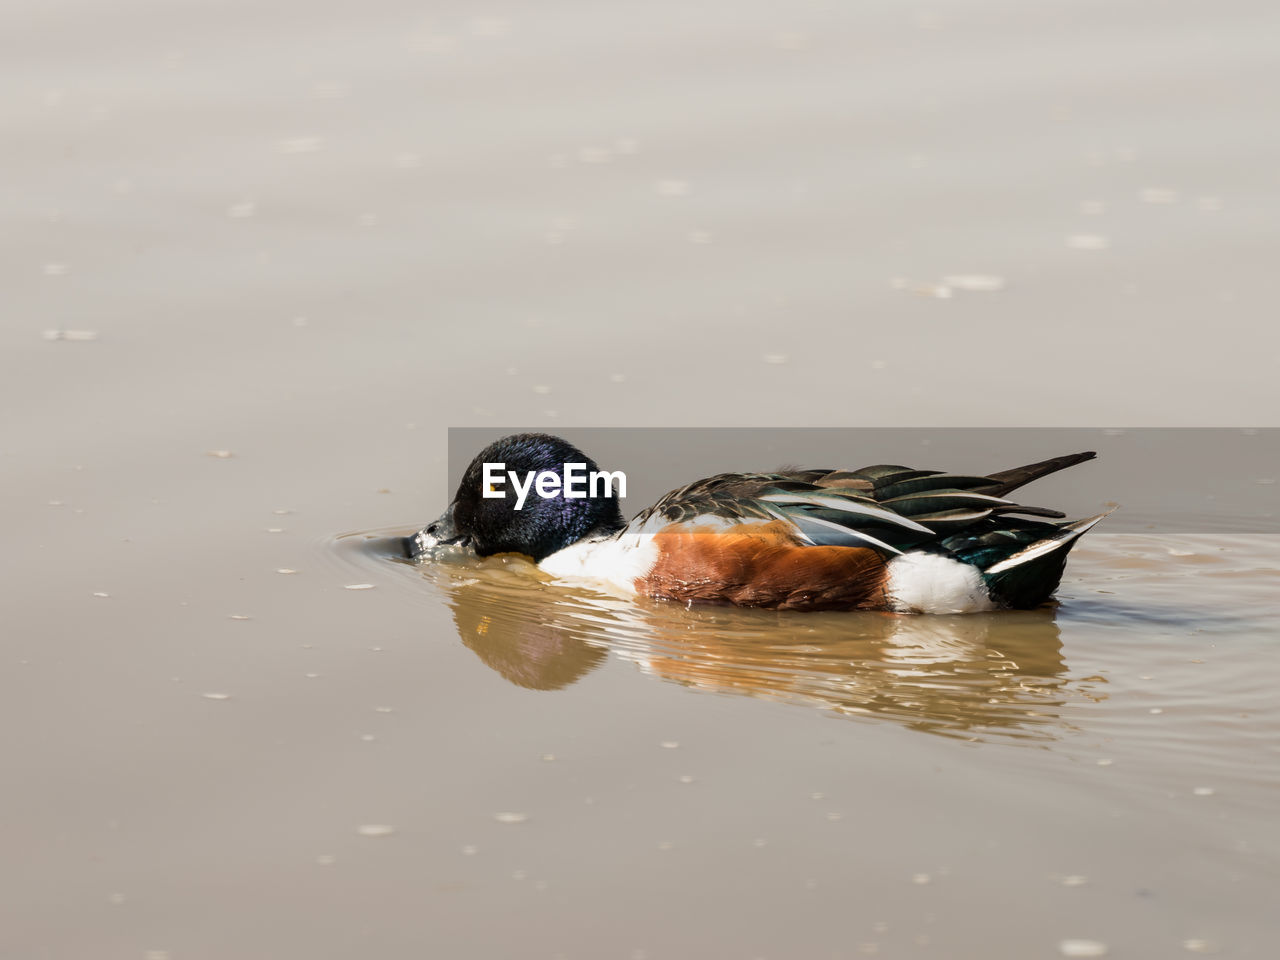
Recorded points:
885,537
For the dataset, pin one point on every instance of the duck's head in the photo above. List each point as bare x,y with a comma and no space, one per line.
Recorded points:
534,524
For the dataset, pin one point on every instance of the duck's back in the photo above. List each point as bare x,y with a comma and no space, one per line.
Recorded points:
886,537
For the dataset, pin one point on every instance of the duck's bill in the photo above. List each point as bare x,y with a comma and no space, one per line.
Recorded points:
439,533
420,546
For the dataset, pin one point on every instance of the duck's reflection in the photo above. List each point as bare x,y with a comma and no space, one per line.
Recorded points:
975,675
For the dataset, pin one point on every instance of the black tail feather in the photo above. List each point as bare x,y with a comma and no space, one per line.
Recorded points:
1029,577
1008,480
1030,584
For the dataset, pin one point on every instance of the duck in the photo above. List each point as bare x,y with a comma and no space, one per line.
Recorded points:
884,538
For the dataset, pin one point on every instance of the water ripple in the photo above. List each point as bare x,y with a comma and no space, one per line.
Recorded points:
973,676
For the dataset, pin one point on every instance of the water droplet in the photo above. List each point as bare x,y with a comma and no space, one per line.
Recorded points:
1082,948
1088,241
1200,946
669,744
219,454
375,830
1105,762
239,616
216,696
511,817
686,779
1156,710
102,594
368,737
974,282
1204,791
275,529
1074,880
285,570
385,709
359,586
81,336
549,757
920,879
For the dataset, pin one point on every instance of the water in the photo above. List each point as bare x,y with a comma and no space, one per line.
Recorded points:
258,257
1123,784
984,677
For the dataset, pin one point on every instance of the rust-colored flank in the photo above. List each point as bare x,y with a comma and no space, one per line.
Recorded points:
762,565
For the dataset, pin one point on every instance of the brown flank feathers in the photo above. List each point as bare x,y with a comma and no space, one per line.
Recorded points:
763,566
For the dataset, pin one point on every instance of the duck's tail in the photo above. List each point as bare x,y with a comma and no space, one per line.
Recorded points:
1009,480
1029,577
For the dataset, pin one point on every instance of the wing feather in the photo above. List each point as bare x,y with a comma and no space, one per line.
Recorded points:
888,507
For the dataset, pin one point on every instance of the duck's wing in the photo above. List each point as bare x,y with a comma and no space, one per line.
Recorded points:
809,513
887,507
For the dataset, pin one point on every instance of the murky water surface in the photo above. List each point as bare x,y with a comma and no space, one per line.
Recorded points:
258,256
1108,765
984,677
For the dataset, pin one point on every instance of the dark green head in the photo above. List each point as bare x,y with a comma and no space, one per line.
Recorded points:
535,525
